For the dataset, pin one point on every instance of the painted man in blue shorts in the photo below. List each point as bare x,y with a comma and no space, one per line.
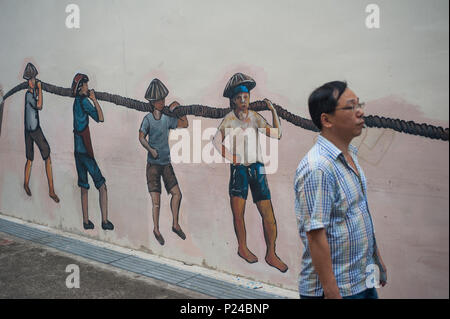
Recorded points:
247,168
84,154
156,126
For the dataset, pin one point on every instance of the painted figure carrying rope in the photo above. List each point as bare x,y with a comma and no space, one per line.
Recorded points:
241,115
407,127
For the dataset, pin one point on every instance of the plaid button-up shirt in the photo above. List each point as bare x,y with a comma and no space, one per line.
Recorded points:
329,194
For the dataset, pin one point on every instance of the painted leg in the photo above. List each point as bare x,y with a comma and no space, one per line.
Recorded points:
175,203
238,209
103,199
270,234
84,208
51,189
156,197
27,177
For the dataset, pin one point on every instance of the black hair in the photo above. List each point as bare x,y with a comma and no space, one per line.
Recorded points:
80,84
232,104
324,100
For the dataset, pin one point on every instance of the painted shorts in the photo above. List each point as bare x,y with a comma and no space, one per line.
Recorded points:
242,176
37,137
154,173
87,164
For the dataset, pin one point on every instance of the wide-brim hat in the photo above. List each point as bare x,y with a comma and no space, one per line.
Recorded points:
156,91
237,80
30,71
78,80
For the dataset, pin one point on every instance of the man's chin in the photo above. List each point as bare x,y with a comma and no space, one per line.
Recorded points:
359,132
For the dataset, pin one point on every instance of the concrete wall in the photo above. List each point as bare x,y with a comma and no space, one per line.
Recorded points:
289,48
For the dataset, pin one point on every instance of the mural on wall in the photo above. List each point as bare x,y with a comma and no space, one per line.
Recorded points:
156,126
402,126
246,169
83,151
33,130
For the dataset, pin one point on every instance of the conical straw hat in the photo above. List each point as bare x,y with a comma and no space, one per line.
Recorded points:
156,91
236,80
30,71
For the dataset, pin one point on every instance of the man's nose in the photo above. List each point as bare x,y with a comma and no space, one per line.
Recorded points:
359,112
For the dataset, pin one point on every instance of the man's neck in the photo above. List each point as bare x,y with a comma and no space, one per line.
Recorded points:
241,114
157,114
340,142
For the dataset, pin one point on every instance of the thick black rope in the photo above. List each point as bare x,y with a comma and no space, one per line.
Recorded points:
408,127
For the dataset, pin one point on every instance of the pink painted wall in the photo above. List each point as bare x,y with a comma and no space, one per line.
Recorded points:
407,191
400,70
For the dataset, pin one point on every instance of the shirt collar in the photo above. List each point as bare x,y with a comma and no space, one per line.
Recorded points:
353,149
331,149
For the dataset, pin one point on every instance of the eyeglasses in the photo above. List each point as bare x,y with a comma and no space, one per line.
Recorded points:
354,107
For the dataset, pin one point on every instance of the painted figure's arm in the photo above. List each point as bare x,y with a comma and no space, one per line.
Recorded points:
183,121
218,144
147,146
39,101
1,94
321,259
275,122
97,106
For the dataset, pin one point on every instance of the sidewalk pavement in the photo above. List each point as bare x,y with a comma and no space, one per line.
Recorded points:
38,263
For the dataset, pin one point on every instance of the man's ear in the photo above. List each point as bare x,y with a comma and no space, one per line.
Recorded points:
326,120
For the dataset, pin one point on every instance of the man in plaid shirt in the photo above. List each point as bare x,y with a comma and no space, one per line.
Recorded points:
340,256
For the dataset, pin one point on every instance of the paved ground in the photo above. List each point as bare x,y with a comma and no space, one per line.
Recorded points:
34,241
30,270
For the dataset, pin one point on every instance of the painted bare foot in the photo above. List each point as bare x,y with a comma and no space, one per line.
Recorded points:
247,255
27,189
54,197
275,261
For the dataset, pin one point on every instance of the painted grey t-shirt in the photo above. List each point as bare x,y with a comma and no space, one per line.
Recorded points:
31,111
158,136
